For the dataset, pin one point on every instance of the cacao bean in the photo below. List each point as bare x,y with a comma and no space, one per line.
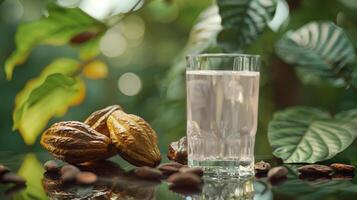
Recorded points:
69,173
167,170
171,164
134,139
98,119
262,167
315,169
3,170
12,178
51,166
187,191
148,173
184,180
195,170
86,178
343,168
76,142
342,176
277,175
178,151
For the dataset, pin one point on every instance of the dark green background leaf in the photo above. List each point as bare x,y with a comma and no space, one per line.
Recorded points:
320,50
243,21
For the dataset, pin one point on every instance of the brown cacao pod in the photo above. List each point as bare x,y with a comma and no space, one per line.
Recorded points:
134,139
98,119
76,142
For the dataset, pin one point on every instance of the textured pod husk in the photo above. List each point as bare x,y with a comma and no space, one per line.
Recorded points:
98,119
134,139
178,151
76,142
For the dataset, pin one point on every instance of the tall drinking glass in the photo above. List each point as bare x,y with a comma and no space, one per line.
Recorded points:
222,111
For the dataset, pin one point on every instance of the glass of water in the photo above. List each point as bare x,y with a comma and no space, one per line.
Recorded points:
222,111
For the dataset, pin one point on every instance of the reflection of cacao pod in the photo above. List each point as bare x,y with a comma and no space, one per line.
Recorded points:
76,142
178,151
98,119
134,139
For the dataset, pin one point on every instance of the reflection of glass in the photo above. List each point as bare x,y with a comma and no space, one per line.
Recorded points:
222,109
227,189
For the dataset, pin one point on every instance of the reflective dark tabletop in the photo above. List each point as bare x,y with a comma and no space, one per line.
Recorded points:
117,182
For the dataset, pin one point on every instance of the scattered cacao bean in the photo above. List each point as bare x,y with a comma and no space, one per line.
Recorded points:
168,170
3,170
178,151
195,170
343,168
51,166
262,167
315,177
342,176
9,193
86,178
12,178
148,173
69,173
171,164
184,180
315,169
277,175
186,190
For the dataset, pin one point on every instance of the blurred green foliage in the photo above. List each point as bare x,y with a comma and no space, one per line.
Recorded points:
158,58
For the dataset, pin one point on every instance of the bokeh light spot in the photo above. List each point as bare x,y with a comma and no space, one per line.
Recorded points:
129,84
113,44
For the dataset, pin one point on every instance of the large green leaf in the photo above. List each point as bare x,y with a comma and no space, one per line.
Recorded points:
54,95
65,66
309,135
57,29
320,50
243,21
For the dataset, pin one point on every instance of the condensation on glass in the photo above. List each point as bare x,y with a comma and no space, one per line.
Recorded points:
222,110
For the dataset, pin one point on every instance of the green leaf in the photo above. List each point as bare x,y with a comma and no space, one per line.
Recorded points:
243,21
90,49
309,135
320,50
54,95
32,170
56,29
347,115
65,66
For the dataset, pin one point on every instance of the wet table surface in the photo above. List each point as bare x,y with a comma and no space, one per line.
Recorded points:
116,182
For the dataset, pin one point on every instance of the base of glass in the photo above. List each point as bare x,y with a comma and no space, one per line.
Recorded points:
223,169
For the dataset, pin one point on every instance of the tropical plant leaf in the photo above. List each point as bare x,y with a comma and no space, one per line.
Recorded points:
347,115
202,37
243,21
90,49
65,66
320,50
32,170
95,70
54,95
57,29
309,135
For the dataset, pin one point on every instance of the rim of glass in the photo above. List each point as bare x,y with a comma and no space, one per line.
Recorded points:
222,55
